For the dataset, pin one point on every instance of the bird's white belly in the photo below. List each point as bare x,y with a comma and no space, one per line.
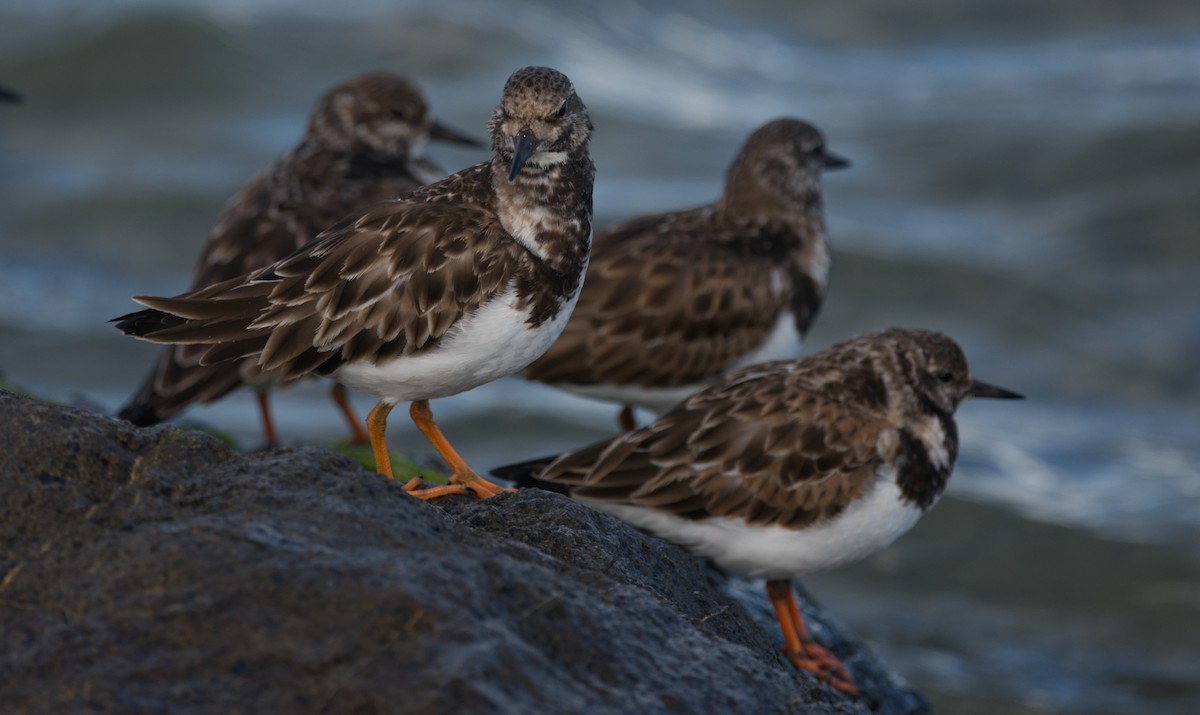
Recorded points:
495,341
783,342
771,552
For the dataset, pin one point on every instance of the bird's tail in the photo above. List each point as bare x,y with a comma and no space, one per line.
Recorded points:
177,381
142,323
527,473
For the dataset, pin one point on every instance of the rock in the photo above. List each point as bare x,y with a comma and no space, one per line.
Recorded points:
155,570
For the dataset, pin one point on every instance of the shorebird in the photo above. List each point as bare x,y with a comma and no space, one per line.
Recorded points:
672,300
788,467
456,284
365,143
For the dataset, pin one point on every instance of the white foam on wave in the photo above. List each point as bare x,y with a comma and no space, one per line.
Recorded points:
1126,476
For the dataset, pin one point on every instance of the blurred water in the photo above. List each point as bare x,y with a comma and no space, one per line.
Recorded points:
1026,177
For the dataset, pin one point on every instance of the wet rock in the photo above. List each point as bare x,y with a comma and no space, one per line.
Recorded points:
155,570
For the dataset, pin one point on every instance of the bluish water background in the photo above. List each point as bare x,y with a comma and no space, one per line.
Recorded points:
1026,178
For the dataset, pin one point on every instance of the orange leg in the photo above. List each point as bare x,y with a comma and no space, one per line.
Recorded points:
814,650
625,419
264,411
358,435
461,476
377,434
799,647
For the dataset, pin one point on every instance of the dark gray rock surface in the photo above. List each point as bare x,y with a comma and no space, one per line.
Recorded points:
153,571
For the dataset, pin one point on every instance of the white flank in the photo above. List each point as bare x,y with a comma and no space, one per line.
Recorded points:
866,526
494,341
782,344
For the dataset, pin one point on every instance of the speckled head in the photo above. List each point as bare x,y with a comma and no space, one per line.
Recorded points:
540,120
936,370
378,112
784,157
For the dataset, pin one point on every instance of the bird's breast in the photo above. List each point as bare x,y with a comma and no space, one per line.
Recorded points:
495,340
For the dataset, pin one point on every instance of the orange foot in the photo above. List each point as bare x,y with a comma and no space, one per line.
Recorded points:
799,647
462,479
469,483
836,676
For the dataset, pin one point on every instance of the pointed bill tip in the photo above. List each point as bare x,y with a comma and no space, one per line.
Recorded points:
982,389
835,161
524,146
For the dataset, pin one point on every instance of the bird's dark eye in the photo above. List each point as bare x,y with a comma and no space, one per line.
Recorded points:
946,377
399,114
562,111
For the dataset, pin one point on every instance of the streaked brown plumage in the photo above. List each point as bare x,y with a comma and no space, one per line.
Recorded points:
788,467
674,299
364,144
451,286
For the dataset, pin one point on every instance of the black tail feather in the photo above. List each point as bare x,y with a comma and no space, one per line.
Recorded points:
146,322
140,415
525,474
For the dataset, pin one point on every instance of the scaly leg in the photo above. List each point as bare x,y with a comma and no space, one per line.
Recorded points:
461,476
799,647
358,435
377,434
625,419
264,411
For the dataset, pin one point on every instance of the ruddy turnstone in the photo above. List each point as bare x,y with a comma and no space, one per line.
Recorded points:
788,467
365,143
674,299
436,292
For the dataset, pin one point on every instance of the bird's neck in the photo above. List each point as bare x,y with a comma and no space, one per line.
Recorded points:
792,222
929,447
360,161
547,208
793,198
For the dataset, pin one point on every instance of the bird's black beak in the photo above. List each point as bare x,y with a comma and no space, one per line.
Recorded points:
835,161
524,145
443,133
982,389
8,95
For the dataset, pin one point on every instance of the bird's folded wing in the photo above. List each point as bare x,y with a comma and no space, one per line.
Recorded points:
769,451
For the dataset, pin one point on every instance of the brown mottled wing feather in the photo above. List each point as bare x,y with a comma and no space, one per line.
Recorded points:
175,382
250,234
286,208
389,283
662,308
737,452
277,213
